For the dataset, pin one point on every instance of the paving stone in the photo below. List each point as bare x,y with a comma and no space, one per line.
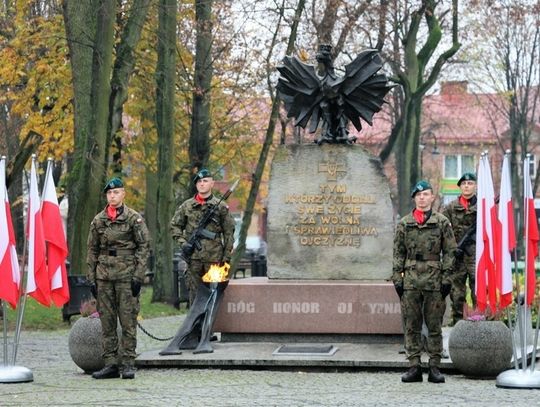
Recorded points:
59,382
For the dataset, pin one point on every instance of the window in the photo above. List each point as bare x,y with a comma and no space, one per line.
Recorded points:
532,166
456,165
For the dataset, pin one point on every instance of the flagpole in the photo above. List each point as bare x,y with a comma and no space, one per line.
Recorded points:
9,373
535,341
523,378
49,168
22,301
4,319
525,270
22,291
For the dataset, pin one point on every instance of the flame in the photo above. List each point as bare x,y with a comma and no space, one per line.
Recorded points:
217,274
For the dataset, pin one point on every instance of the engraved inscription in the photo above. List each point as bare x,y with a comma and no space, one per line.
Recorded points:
295,307
241,307
332,217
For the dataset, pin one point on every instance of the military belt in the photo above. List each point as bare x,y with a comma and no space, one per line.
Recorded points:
424,257
118,252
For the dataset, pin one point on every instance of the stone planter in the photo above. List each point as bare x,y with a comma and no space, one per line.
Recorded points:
86,344
480,349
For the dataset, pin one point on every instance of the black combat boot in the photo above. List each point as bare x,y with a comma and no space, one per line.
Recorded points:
108,372
435,376
128,372
414,374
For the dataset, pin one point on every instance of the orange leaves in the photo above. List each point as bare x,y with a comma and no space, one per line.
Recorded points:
36,80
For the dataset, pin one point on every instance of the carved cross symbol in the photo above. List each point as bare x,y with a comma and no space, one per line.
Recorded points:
332,170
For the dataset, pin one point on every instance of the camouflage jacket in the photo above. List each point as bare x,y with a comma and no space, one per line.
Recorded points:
187,218
418,249
461,220
119,249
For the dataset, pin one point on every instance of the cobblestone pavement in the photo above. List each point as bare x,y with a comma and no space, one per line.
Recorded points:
59,382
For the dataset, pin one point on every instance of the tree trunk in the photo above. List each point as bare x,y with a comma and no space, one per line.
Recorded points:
256,179
97,109
90,172
199,140
165,83
80,22
416,82
407,159
123,68
11,127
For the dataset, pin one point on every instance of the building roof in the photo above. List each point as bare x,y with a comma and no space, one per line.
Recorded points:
452,116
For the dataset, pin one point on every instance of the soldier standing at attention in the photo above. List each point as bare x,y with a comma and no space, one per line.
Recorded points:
187,218
424,247
118,249
462,215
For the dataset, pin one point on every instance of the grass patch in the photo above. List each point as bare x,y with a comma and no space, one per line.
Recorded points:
38,317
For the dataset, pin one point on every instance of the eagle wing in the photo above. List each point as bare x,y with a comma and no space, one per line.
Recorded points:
299,88
362,88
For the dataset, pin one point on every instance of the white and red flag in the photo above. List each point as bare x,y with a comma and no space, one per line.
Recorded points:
507,236
38,284
531,233
55,238
486,281
10,277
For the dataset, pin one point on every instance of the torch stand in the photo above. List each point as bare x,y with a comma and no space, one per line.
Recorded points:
196,330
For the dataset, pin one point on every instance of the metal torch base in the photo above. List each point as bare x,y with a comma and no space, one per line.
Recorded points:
15,374
519,379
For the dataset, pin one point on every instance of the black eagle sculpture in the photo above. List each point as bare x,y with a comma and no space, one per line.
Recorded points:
335,100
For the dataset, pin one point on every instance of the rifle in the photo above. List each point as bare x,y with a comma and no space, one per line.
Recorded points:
463,245
200,232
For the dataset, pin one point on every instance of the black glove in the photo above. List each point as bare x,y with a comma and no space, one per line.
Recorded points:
399,289
135,287
445,290
93,289
187,250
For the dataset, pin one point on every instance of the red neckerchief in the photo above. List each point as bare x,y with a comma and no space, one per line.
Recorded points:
464,202
199,199
418,215
111,212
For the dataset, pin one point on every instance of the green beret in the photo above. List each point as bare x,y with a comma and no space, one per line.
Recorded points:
113,183
204,173
468,176
420,186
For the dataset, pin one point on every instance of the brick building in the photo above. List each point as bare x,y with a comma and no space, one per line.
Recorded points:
457,126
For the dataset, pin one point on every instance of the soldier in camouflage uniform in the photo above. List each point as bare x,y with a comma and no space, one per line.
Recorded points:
187,218
118,249
424,246
462,215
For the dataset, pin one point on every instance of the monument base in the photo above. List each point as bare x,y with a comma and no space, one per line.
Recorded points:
337,308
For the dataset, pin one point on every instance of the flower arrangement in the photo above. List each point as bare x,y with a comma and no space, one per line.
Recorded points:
89,308
474,314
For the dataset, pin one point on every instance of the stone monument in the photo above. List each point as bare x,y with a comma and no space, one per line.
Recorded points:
330,233
330,219
330,215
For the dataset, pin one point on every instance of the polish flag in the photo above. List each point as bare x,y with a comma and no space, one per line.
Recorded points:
55,238
38,283
10,276
507,235
486,282
531,233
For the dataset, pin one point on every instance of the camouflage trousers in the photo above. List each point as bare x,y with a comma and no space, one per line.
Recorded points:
116,302
418,306
196,270
458,295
